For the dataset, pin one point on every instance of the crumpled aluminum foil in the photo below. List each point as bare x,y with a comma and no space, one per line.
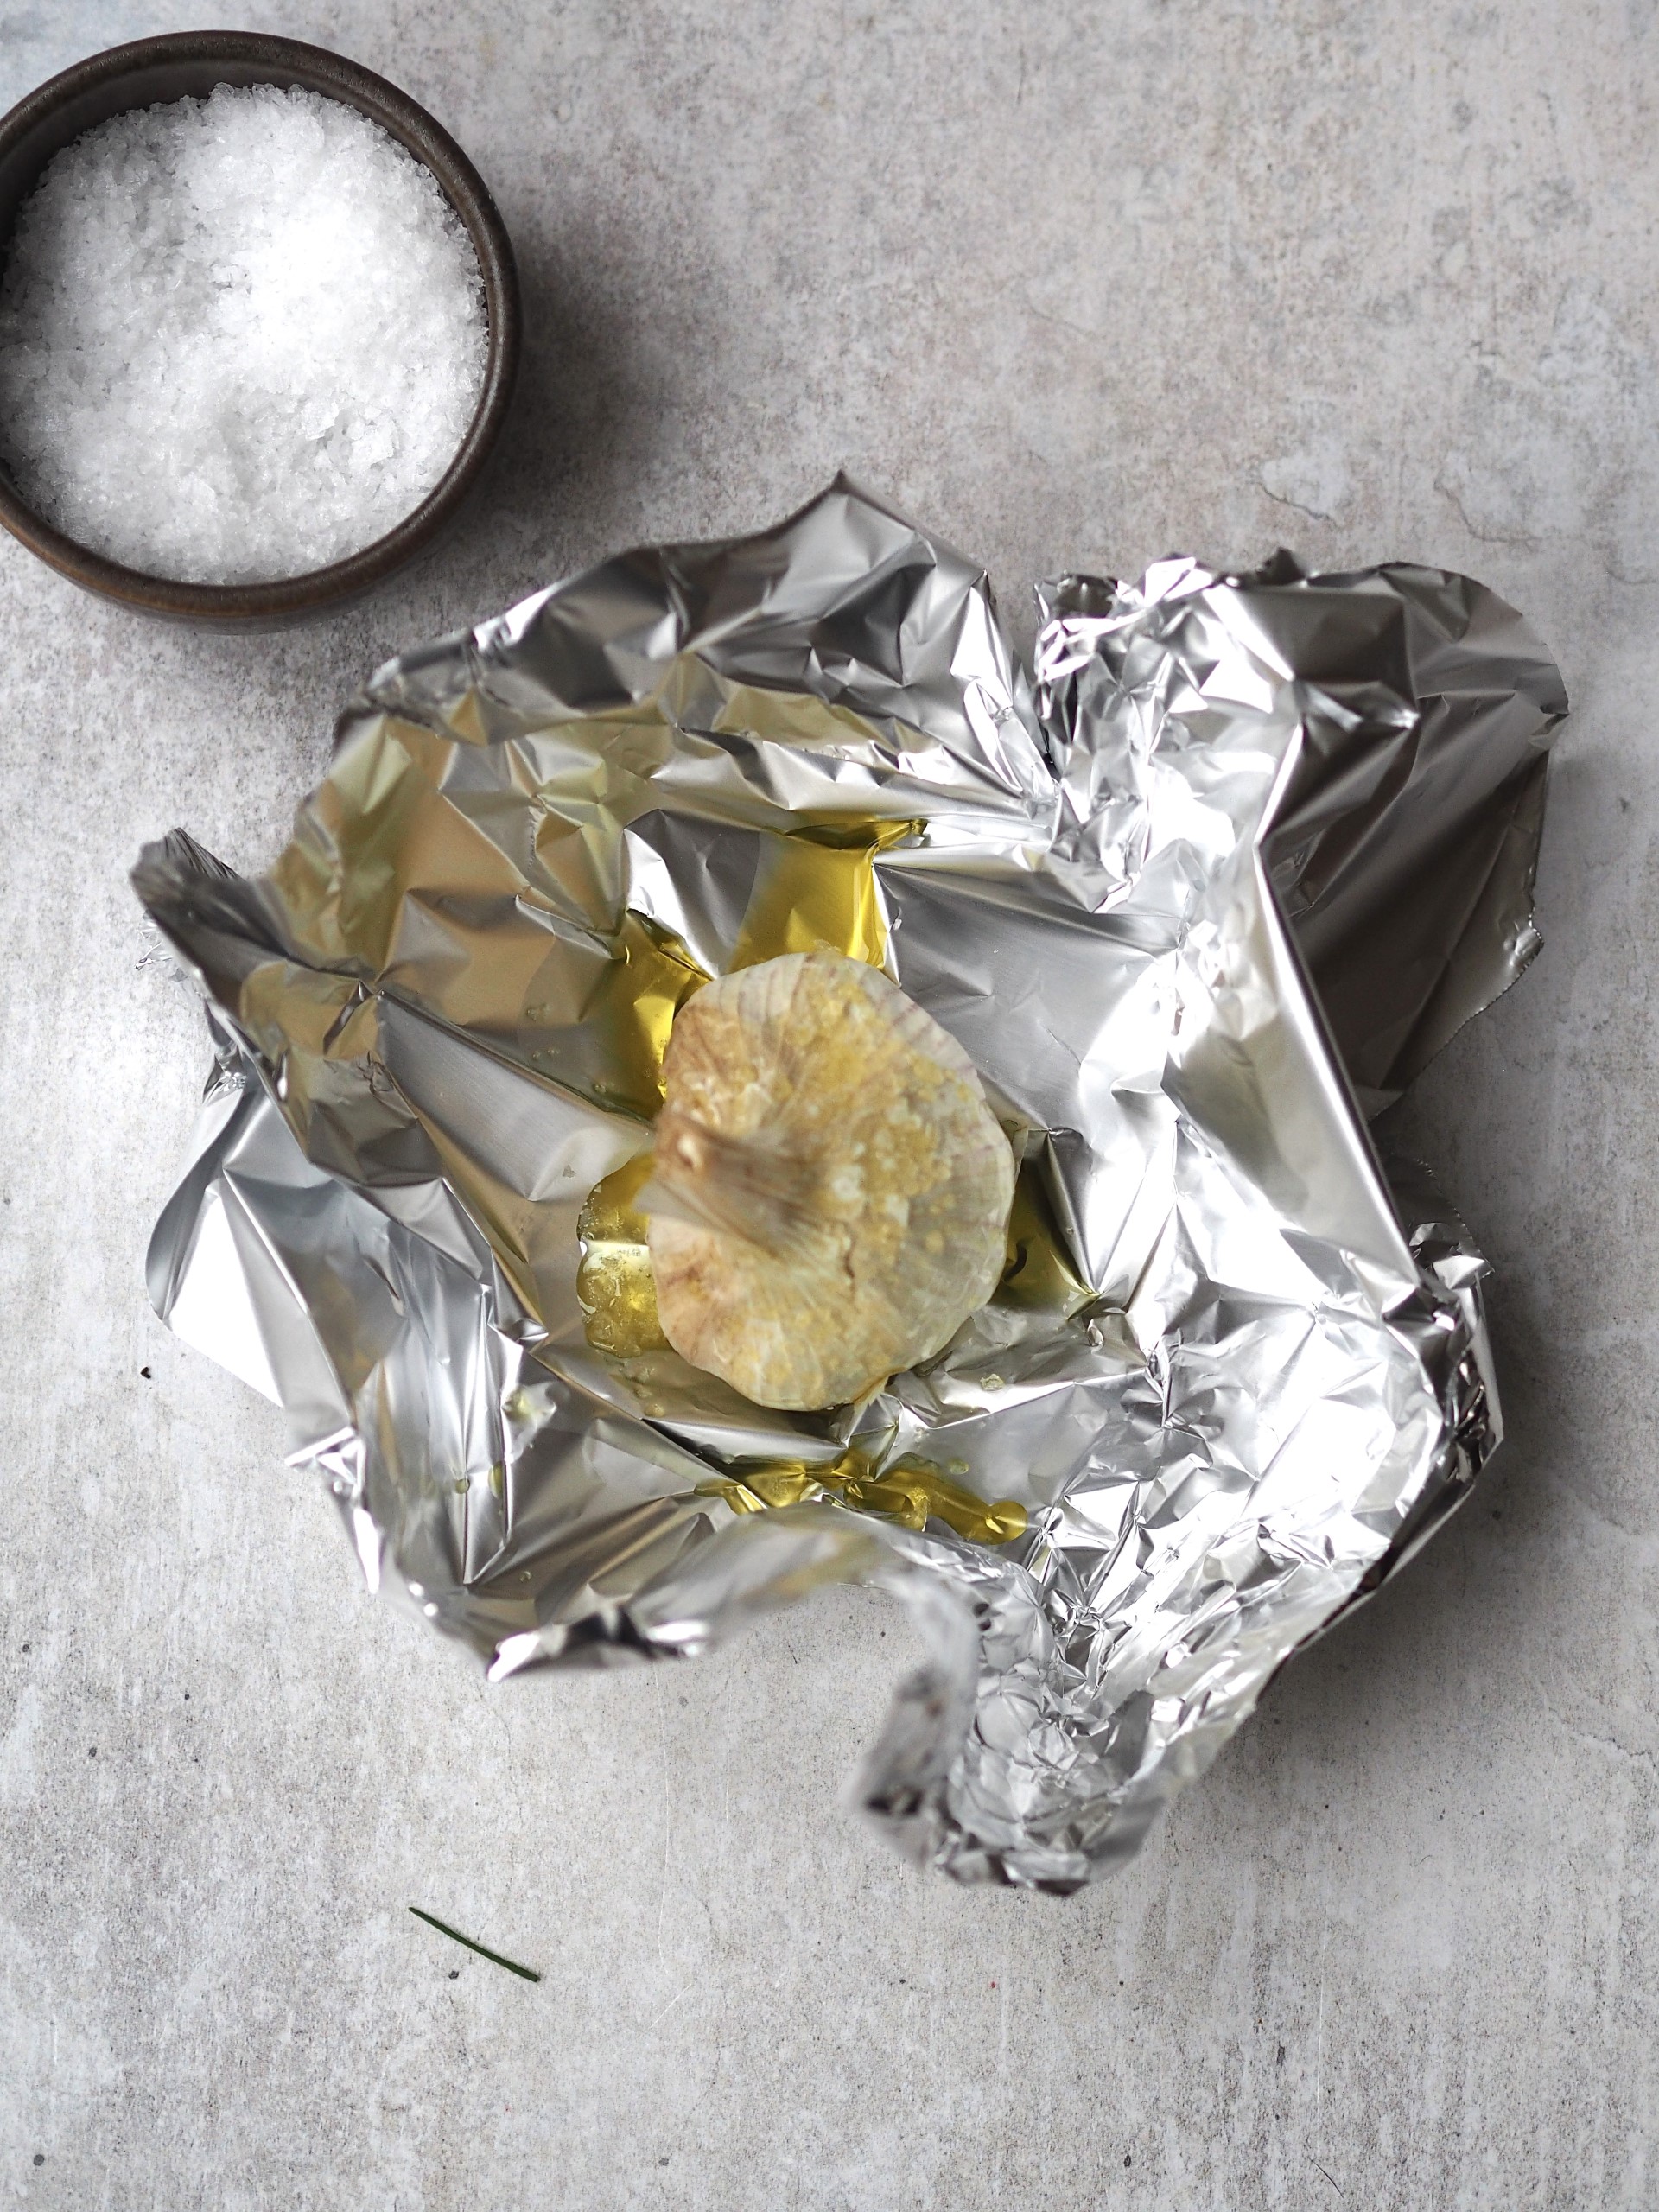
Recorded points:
1220,881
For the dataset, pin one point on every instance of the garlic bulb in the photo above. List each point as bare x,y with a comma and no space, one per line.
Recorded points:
831,1191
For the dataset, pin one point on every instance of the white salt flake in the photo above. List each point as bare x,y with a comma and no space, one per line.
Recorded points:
240,337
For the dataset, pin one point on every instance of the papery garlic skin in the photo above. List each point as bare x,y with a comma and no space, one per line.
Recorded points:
831,1191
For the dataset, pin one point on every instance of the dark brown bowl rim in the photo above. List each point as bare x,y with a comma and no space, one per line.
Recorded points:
317,590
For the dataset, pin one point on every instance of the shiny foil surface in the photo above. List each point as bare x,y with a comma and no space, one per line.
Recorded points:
1198,893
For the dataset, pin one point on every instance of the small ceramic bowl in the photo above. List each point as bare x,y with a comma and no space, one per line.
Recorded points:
190,63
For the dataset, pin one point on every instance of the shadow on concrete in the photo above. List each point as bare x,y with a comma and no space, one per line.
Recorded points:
586,425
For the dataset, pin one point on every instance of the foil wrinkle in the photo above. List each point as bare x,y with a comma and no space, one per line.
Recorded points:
1197,894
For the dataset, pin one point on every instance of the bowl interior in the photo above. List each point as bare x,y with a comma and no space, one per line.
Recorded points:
189,65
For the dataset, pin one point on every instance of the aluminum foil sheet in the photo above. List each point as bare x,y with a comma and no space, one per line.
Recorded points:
1206,886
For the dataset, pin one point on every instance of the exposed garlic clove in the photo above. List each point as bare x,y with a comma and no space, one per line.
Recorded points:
829,1195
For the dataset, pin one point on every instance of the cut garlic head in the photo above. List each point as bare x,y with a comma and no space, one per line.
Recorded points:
830,1191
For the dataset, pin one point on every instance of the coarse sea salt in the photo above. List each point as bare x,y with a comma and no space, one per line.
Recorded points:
240,337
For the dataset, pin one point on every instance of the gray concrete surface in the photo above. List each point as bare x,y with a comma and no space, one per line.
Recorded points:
1080,286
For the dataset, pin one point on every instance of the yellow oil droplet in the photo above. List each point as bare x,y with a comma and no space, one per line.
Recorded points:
911,1492
1039,1274
614,1284
815,890
760,1489
914,1493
